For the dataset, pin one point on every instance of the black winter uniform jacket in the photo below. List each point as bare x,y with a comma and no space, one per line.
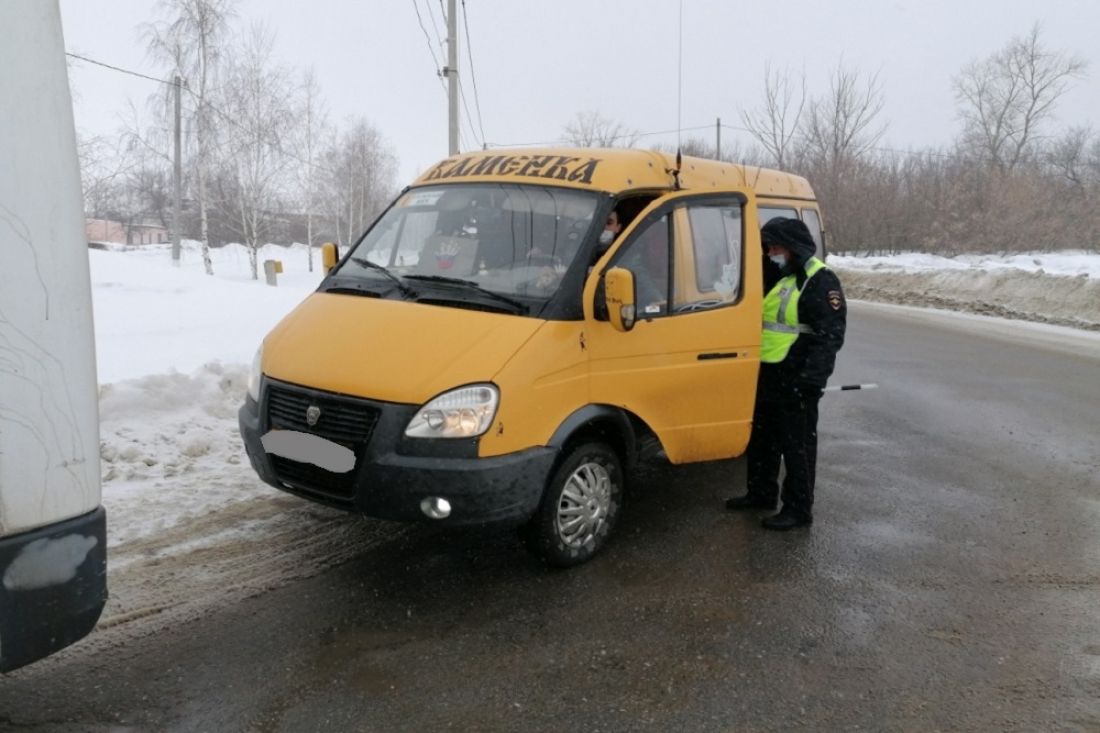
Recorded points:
823,308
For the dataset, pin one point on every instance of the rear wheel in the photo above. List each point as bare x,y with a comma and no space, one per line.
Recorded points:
579,507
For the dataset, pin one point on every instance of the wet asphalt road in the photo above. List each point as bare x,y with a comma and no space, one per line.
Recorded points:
951,581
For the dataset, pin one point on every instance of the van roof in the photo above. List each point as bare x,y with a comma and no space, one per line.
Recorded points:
610,169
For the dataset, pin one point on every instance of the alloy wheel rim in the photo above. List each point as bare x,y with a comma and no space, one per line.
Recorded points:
584,505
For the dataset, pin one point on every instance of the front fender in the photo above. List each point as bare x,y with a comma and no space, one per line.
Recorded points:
608,417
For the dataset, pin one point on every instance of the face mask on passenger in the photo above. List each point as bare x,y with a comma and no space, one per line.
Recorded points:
607,236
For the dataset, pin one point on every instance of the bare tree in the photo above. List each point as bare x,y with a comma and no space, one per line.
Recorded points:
842,126
593,130
256,97
1092,163
1004,99
148,177
103,167
776,124
359,178
190,39
1068,156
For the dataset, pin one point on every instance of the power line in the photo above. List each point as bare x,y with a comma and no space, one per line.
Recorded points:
431,16
473,76
120,69
225,116
435,62
462,96
443,14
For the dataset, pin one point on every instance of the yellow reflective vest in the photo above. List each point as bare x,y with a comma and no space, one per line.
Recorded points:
781,326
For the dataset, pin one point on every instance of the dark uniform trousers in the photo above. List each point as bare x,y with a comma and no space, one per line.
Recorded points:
784,427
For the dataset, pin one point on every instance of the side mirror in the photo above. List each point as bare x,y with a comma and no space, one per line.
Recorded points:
619,295
329,256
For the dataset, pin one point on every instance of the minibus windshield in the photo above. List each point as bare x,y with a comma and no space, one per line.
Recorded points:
511,239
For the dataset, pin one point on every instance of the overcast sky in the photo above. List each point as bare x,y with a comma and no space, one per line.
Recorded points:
539,62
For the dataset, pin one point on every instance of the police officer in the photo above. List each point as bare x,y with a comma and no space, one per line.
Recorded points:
804,321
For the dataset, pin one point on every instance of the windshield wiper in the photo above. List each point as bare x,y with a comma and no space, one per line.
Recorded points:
520,306
348,290
364,262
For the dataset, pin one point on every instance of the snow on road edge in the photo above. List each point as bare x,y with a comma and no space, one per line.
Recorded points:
1072,301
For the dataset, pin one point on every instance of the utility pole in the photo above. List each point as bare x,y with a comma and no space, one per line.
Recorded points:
718,139
177,177
452,78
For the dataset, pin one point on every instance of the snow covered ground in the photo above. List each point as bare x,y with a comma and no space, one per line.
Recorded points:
189,524
1071,263
172,349
1061,288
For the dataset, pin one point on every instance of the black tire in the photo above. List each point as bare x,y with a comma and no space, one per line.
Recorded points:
584,495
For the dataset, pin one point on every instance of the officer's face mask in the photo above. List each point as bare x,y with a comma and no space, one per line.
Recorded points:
779,260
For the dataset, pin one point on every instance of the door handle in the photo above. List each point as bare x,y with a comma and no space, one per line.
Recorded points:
717,355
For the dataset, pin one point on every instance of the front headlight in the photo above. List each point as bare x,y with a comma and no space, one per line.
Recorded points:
255,373
465,412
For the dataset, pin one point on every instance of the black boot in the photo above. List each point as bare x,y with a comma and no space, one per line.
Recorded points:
749,501
785,520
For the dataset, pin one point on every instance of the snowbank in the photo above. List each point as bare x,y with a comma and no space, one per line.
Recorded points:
1061,288
173,347
1074,263
170,451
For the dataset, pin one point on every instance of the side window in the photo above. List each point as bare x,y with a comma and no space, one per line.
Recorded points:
767,213
716,247
647,256
813,223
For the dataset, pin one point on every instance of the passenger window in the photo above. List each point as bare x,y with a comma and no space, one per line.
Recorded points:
647,256
767,213
716,243
813,223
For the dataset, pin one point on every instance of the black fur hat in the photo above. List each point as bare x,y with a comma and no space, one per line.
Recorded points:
789,233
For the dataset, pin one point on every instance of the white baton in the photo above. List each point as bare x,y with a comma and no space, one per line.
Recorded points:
847,387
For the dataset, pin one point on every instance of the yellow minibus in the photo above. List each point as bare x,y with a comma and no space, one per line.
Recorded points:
486,353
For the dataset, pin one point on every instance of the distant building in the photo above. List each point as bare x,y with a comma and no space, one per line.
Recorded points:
107,230
148,232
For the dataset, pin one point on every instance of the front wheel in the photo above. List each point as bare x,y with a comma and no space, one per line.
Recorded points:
579,507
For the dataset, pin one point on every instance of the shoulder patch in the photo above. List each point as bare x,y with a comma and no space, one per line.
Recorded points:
835,298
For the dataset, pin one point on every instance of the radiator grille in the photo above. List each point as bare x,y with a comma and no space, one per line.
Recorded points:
342,420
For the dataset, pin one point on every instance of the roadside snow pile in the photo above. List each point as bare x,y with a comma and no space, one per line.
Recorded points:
173,347
170,451
1062,288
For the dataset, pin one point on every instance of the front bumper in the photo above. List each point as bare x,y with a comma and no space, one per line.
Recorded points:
53,585
392,473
